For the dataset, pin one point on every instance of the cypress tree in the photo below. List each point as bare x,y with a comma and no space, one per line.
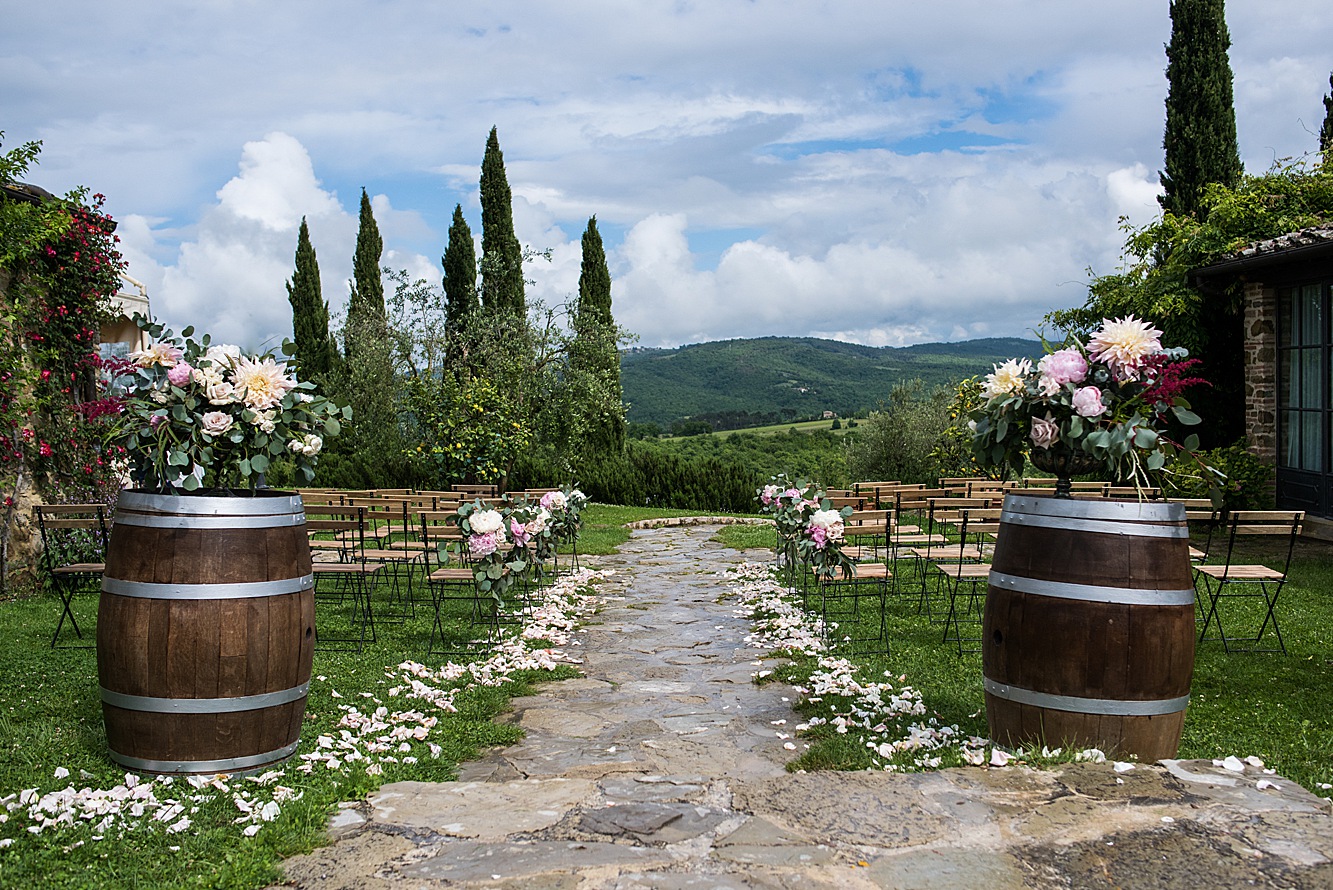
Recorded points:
460,272
310,314
594,354
594,277
365,308
1326,131
501,254
1200,139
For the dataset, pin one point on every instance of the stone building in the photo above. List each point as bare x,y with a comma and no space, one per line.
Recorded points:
1287,285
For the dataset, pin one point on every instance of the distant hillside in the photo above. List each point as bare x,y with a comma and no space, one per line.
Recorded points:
736,383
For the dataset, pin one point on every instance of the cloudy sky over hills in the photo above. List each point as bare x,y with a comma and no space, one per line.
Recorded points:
881,171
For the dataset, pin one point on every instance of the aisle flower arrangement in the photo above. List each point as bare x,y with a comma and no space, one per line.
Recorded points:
487,547
197,415
1106,404
564,507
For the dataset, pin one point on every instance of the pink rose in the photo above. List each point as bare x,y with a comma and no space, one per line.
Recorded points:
792,494
1087,402
179,374
1064,366
1044,432
819,535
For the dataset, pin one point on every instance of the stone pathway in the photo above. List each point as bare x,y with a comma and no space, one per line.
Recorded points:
663,768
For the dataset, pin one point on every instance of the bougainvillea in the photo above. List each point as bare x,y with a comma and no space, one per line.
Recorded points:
59,269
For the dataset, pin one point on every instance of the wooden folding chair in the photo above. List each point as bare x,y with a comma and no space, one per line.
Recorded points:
350,580
74,540
451,579
1235,579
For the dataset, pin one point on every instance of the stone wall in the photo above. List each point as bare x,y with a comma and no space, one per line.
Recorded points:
1261,370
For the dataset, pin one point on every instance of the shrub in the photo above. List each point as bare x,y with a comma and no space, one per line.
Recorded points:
1248,482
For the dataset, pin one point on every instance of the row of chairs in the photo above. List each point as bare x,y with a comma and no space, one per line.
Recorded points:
406,544
945,543
360,538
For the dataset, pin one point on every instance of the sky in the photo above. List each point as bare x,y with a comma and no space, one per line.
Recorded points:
886,172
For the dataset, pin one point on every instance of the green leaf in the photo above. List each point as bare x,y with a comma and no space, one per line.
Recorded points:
244,467
190,483
178,459
1186,416
259,463
332,427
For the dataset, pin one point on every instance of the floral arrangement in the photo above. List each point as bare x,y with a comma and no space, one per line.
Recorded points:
809,530
488,549
564,507
196,415
1104,404
821,539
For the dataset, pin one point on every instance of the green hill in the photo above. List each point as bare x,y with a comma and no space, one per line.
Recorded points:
738,383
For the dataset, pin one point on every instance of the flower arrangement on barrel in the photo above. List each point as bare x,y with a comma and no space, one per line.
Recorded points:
1109,404
197,415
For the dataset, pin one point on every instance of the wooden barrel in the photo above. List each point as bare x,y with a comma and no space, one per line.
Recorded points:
205,632
1088,636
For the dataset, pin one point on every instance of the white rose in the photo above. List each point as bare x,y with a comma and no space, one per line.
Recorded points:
485,522
220,393
206,377
313,444
538,524
223,355
215,423
158,396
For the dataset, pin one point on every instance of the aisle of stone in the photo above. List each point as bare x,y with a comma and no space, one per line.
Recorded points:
664,767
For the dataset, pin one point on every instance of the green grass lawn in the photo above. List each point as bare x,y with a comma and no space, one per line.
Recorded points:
52,737
1270,705
804,426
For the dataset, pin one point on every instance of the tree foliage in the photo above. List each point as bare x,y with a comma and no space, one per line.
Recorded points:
365,308
1326,131
594,356
1200,138
501,253
1155,279
310,314
900,441
460,272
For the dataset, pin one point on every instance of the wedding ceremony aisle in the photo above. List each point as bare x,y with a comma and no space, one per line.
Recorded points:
665,766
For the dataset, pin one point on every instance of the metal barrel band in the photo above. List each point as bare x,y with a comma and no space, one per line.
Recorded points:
1128,596
146,501
1098,508
1104,706
1101,526
228,765
154,520
228,705
237,590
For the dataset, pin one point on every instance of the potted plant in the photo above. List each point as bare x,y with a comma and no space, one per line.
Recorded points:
1088,631
206,620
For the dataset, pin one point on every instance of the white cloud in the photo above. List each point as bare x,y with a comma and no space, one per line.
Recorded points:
883,170
229,276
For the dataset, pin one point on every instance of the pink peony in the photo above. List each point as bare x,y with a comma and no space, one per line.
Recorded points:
1044,432
519,532
819,535
179,375
1087,402
480,546
1064,366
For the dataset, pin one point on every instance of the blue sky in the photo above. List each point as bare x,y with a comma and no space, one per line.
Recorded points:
878,171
